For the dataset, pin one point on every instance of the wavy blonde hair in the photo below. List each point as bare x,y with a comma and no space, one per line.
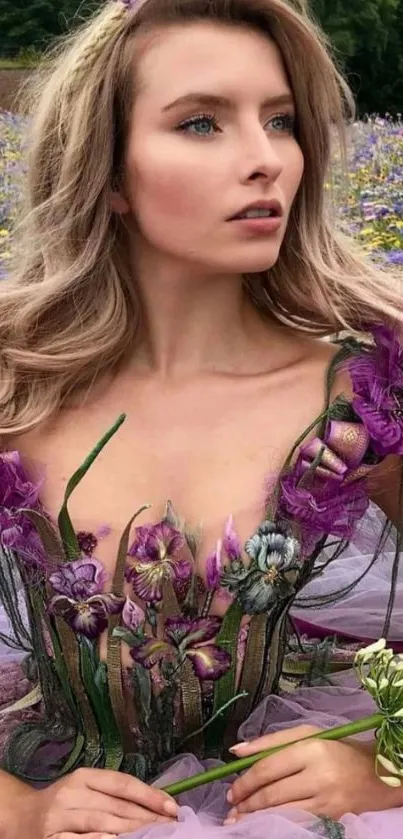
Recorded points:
70,310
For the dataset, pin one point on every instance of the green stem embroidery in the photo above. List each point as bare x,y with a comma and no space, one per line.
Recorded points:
66,528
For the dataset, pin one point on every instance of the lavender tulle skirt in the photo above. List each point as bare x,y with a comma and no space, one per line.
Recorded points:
203,811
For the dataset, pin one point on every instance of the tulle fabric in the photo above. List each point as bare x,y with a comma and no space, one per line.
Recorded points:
203,811
359,615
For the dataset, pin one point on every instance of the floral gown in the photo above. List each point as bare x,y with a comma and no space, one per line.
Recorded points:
319,576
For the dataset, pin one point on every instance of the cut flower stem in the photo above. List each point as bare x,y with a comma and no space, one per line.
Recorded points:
338,733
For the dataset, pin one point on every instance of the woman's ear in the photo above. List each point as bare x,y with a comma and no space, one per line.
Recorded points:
119,204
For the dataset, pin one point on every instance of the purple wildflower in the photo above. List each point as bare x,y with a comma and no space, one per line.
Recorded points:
186,638
154,557
80,599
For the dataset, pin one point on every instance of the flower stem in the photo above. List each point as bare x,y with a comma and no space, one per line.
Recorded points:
339,733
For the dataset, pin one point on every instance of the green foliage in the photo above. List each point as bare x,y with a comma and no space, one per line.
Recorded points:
35,23
367,37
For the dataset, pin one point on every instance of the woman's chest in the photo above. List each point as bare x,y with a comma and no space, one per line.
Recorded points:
210,460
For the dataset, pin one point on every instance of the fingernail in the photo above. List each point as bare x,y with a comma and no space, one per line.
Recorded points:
230,796
239,746
230,821
171,808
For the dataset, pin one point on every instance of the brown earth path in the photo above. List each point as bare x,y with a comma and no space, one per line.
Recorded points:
10,83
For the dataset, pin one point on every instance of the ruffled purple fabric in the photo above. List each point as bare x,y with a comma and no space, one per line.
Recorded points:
13,686
202,811
377,378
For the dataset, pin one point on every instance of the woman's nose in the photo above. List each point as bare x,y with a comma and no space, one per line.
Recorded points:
261,158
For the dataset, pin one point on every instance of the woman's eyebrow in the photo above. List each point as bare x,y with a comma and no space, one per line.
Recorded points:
213,100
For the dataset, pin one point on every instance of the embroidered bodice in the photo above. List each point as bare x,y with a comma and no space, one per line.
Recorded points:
193,676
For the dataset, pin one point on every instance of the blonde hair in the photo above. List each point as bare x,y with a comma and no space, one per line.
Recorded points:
70,309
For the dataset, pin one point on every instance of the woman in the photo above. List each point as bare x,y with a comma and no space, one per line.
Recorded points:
176,263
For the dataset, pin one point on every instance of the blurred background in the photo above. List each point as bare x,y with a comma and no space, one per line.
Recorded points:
367,39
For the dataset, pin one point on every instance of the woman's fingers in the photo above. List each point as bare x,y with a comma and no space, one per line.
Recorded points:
296,788
90,821
84,836
268,770
270,741
121,785
103,803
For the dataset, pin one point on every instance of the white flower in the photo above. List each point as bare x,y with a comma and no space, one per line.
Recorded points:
373,649
388,765
390,780
370,683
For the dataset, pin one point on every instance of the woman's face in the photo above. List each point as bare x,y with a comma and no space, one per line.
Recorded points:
193,163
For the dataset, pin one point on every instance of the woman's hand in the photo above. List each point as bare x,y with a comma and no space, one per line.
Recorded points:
90,804
327,778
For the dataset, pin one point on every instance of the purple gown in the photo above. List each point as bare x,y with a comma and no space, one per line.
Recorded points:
323,500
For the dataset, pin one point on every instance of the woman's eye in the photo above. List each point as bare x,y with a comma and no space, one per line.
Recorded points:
201,124
283,122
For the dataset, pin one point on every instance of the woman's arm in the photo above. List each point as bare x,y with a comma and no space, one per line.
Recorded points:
15,797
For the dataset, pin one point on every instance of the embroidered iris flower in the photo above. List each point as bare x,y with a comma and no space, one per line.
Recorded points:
133,615
155,556
80,599
377,378
232,544
273,554
214,566
187,639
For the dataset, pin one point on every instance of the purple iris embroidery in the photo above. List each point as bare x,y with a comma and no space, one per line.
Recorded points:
273,554
186,639
214,566
377,378
154,556
133,616
232,544
80,599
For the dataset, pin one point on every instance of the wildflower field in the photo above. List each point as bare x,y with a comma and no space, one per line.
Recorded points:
371,209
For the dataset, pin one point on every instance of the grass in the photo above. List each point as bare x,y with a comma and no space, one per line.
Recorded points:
26,59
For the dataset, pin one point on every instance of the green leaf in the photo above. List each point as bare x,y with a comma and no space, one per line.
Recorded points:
49,536
95,680
127,636
224,688
141,680
67,531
